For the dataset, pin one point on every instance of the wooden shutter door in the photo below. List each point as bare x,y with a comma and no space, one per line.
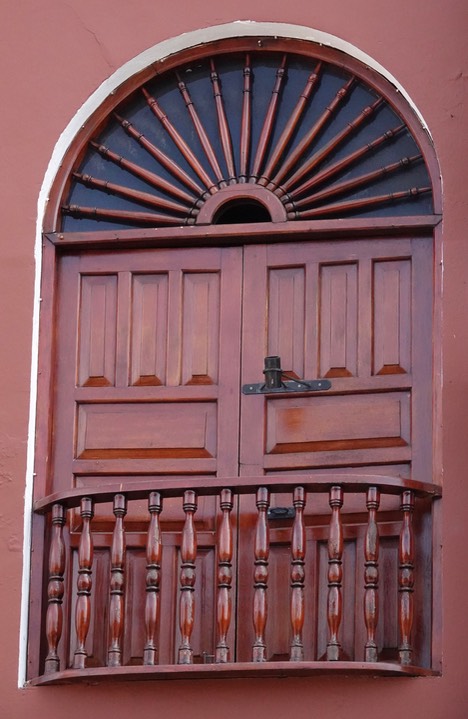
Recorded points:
359,314
148,348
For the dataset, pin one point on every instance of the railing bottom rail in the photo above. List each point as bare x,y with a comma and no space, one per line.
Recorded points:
235,670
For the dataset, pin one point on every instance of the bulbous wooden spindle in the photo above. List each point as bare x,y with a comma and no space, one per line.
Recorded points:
224,607
54,618
84,584
117,583
153,576
406,577
298,546
371,574
335,574
188,553
261,552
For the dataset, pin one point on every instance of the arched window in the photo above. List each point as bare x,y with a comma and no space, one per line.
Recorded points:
250,198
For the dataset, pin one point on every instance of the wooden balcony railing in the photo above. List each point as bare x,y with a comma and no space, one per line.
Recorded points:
281,577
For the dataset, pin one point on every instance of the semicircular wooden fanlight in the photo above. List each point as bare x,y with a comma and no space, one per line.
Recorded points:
299,136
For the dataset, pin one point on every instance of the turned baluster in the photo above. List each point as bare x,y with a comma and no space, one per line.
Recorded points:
298,545
153,568
117,579
335,574
188,553
54,618
224,576
84,584
406,577
371,574
261,552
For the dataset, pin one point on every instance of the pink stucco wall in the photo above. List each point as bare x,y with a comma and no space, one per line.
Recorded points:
54,54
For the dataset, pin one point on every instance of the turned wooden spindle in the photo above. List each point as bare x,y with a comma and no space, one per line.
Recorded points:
84,584
54,618
188,553
269,121
335,574
261,553
298,546
406,577
371,574
246,123
117,580
153,576
223,125
224,576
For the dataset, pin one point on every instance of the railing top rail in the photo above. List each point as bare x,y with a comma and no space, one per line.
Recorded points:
175,487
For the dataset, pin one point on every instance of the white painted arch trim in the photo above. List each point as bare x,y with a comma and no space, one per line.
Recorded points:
162,50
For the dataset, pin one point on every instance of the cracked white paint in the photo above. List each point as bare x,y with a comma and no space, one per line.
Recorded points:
152,55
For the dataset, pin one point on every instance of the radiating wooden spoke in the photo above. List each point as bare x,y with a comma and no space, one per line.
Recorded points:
180,142
223,125
268,123
311,134
159,156
246,121
357,182
291,125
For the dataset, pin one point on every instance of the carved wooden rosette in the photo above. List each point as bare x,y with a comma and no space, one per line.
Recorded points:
261,553
298,545
188,554
54,618
224,606
84,584
406,577
117,583
153,576
371,574
335,574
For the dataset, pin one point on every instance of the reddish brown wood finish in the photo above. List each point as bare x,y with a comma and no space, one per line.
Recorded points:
246,122
153,578
337,167
149,177
298,548
335,574
366,179
223,124
298,153
291,125
224,605
144,198
54,619
323,153
180,142
341,207
200,130
406,578
188,553
269,122
158,155
84,584
371,574
117,583
261,554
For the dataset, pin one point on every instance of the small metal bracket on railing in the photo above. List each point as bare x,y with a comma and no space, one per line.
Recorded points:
274,381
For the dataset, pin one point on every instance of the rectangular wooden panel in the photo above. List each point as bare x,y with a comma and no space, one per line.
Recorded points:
97,330
179,430
392,317
338,320
200,327
336,422
148,349
286,317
